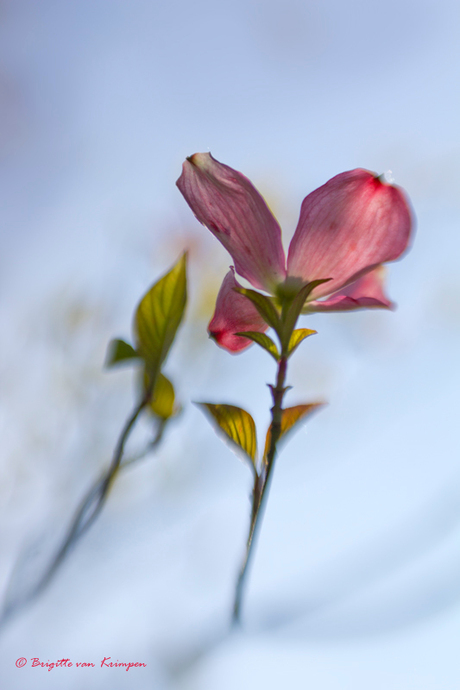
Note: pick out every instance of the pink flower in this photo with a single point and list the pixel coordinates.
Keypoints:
(347, 229)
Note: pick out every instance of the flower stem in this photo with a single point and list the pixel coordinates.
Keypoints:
(261, 482)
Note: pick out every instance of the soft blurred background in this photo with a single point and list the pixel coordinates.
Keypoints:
(356, 580)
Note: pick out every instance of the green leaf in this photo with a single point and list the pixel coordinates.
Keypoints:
(158, 317)
(264, 306)
(294, 310)
(119, 351)
(162, 400)
(235, 425)
(296, 338)
(291, 416)
(263, 340)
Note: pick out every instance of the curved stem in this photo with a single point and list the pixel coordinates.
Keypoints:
(84, 518)
(89, 508)
(261, 482)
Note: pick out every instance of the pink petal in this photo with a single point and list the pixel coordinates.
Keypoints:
(227, 203)
(365, 293)
(234, 313)
(346, 227)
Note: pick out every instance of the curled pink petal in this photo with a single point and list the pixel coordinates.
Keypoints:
(234, 313)
(227, 203)
(347, 227)
(366, 293)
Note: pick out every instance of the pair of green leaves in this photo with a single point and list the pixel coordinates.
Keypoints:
(156, 321)
(282, 323)
(267, 343)
(237, 427)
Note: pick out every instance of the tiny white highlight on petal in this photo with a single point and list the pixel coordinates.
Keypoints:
(388, 177)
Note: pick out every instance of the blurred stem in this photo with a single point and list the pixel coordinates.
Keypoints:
(92, 503)
(261, 482)
(82, 520)
(149, 447)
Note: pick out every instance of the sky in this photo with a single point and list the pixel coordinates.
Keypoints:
(355, 579)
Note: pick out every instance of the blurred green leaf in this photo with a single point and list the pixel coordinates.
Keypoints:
(291, 416)
(263, 340)
(158, 317)
(296, 338)
(162, 400)
(264, 306)
(119, 351)
(237, 426)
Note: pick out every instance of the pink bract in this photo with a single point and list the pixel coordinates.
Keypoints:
(365, 293)
(231, 207)
(347, 229)
(233, 313)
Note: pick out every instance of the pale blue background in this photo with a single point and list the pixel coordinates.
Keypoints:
(356, 581)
